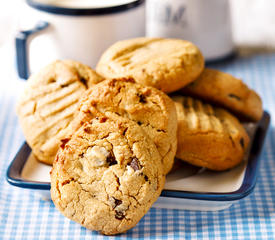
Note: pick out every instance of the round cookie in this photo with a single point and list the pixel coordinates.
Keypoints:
(150, 108)
(226, 91)
(107, 175)
(48, 103)
(209, 137)
(166, 64)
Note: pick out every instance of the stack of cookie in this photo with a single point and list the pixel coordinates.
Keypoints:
(115, 146)
(112, 149)
(209, 103)
(112, 168)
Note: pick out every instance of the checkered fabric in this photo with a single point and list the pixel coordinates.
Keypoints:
(24, 215)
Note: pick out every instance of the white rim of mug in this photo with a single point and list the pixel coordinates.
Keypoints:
(83, 11)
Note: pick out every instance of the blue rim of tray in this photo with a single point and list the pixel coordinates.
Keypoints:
(14, 172)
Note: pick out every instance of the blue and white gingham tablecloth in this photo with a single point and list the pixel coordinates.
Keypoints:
(24, 215)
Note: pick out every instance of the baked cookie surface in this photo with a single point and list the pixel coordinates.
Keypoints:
(107, 175)
(208, 136)
(48, 104)
(166, 64)
(86, 75)
(150, 108)
(226, 91)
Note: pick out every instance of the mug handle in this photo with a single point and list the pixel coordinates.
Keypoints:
(21, 46)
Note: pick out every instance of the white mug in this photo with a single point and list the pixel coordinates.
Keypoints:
(206, 23)
(75, 29)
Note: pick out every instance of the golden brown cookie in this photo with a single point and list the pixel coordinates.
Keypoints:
(48, 103)
(226, 91)
(107, 175)
(166, 64)
(208, 136)
(150, 108)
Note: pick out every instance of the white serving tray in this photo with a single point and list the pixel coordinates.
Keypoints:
(187, 187)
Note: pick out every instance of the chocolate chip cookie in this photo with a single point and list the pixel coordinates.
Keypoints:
(107, 175)
(150, 108)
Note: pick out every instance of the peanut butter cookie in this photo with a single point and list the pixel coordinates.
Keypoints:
(49, 102)
(226, 91)
(166, 64)
(208, 136)
(107, 175)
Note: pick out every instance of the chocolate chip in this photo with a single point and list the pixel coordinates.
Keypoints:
(234, 96)
(84, 81)
(111, 160)
(115, 202)
(63, 142)
(242, 142)
(87, 130)
(103, 119)
(146, 178)
(139, 123)
(142, 98)
(134, 164)
(119, 215)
